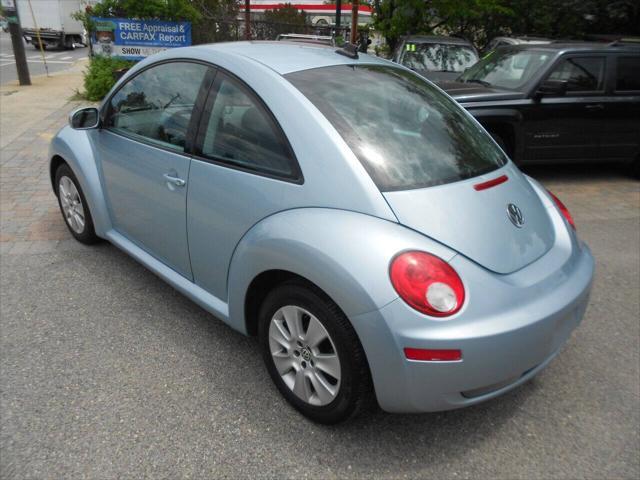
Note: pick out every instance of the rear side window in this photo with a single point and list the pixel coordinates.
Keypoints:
(156, 105)
(628, 74)
(582, 74)
(240, 132)
(406, 132)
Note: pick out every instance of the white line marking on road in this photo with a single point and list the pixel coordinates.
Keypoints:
(66, 58)
(5, 64)
(50, 61)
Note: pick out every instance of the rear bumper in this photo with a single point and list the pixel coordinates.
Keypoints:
(510, 329)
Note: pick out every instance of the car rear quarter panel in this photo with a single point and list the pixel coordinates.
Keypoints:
(344, 253)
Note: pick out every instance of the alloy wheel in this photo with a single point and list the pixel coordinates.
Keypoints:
(71, 204)
(304, 355)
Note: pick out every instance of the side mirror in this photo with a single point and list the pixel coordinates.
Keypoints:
(84, 118)
(552, 88)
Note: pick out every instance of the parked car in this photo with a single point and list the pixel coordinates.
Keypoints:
(561, 102)
(298, 37)
(375, 239)
(506, 41)
(436, 58)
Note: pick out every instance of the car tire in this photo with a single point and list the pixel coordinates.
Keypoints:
(73, 206)
(323, 397)
(634, 168)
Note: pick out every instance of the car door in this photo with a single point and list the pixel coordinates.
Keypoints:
(243, 170)
(568, 127)
(144, 161)
(621, 132)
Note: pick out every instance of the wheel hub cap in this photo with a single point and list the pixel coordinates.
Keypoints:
(304, 355)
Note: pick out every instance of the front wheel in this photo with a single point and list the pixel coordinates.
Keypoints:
(73, 206)
(313, 355)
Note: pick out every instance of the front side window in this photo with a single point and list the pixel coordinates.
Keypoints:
(508, 68)
(582, 74)
(628, 74)
(406, 132)
(437, 57)
(240, 132)
(156, 105)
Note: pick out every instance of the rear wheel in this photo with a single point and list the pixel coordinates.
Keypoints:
(69, 43)
(313, 355)
(73, 206)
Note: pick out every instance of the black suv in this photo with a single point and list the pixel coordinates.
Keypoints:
(560, 102)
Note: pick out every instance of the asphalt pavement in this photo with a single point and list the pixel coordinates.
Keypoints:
(107, 372)
(56, 59)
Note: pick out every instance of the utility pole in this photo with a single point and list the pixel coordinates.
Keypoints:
(18, 49)
(247, 19)
(338, 16)
(354, 21)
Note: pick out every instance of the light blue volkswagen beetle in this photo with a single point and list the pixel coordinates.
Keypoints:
(343, 209)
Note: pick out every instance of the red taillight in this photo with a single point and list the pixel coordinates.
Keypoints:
(429, 355)
(563, 209)
(427, 283)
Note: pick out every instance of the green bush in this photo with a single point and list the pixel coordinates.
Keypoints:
(99, 79)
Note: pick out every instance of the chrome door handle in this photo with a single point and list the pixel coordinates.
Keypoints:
(595, 106)
(177, 181)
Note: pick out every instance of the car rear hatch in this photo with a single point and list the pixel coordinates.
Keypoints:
(472, 217)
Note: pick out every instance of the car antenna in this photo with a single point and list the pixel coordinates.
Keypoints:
(348, 50)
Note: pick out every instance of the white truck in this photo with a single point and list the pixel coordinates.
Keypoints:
(53, 19)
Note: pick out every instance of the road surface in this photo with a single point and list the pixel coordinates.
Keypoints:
(57, 59)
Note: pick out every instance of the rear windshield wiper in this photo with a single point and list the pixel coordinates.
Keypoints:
(481, 82)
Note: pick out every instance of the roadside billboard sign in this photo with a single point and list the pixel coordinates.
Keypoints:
(137, 39)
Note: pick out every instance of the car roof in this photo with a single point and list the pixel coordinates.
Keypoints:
(525, 40)
(575, 46)
(282, 57)
(436, 39)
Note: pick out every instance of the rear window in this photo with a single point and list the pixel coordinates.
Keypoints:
(406, 132)
(438, 57)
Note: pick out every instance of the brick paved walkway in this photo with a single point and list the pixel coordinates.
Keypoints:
(30, 220)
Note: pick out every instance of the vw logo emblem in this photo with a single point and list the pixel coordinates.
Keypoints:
(515, 215)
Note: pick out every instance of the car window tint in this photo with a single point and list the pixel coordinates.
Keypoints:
(241, 132)
(506, 68)
(406, 132)
(582, 74)
(438, 57)
(628, 73)
(156, 105)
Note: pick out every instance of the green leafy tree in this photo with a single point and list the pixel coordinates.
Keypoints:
(171, 10)
(481, 20)
(218, 21)
(395, 18)
(284, 19)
